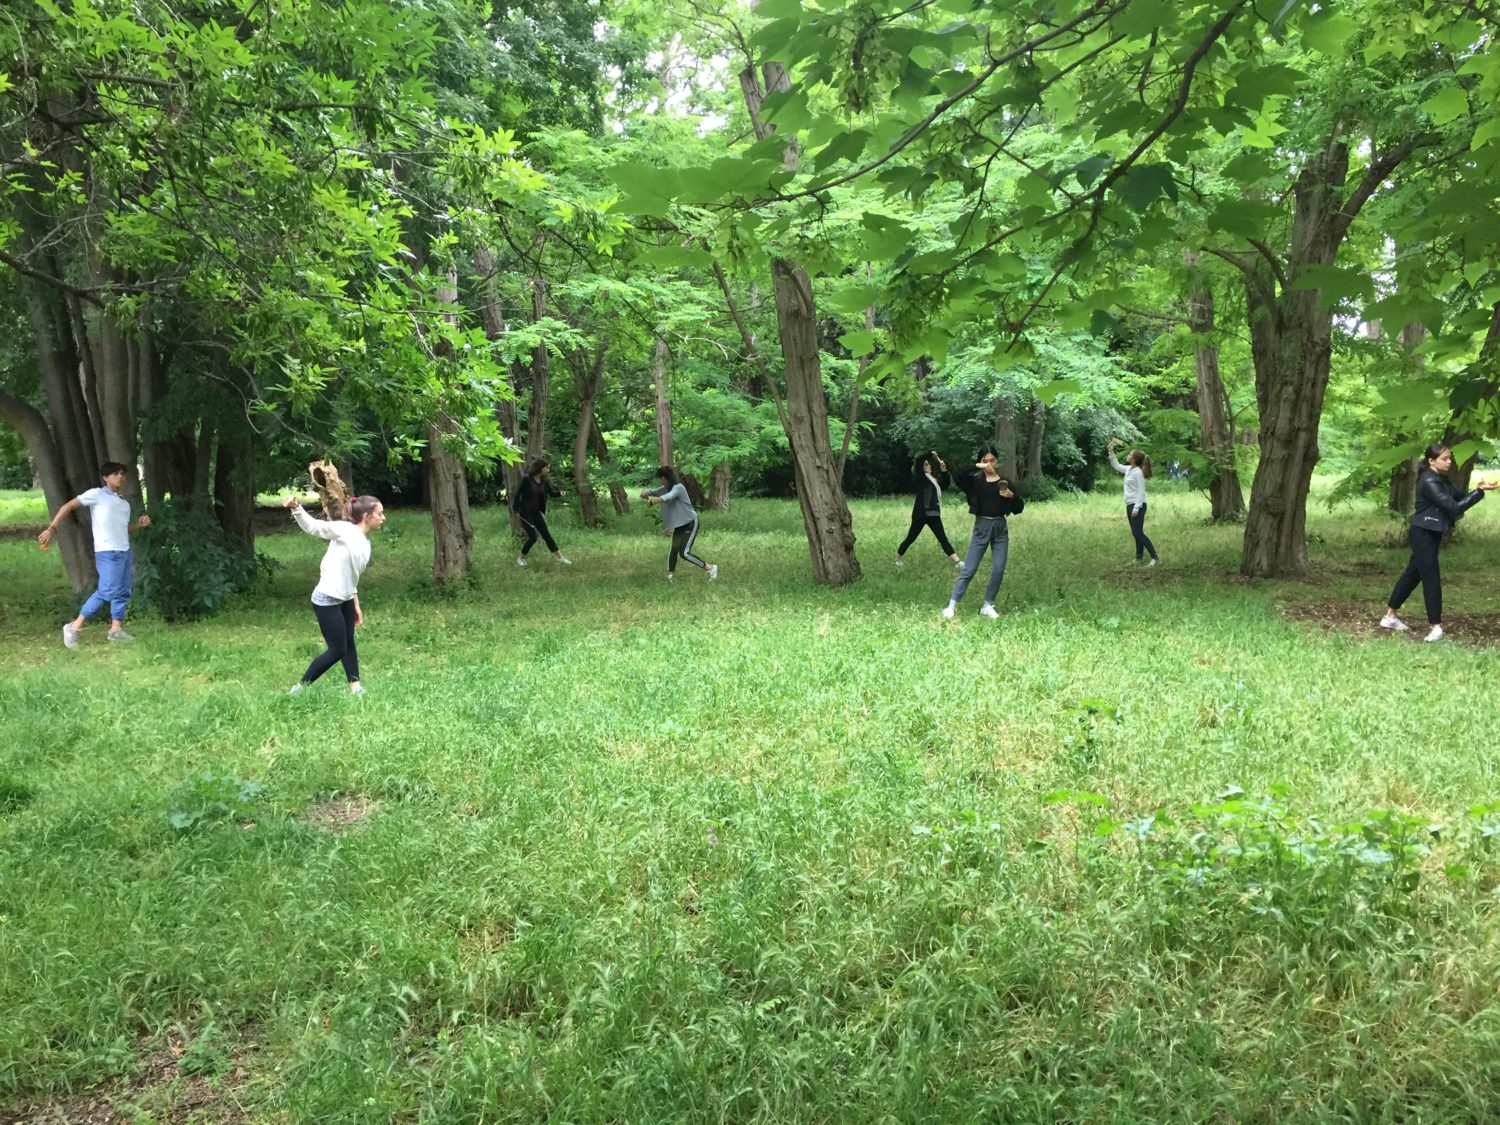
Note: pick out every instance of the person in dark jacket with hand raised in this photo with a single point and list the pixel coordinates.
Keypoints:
(991, 499)
(1439, 507)
(928, 475)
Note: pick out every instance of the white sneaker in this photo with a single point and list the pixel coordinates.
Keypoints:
(356, 689)
(1435, 635)
(958, 563)
(520, 560)
(713, 572)
(1393, 623)
(987, 610)
(671, 577)
(1153, 562)
(565, 560)
(119, 635)
(70, 637)
(948, 611)
(297, 688)
(900, 562)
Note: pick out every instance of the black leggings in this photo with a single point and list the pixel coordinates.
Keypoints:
(337, 623)
(536, 524)
(917, 524)
(682, 545)
(1138, 529)
(1422, 568)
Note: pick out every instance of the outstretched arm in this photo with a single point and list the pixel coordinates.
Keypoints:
(51, 529)
(323, 529)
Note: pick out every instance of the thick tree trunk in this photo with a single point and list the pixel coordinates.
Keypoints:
(662, 400)
(718, 486)
(74, 538)
(1036, 429)
(587, 376)
(1005, 439)
(1290, 338)
(617, 494)
(1226, 498)
(825, 512)
(447, 487)
(234, 486)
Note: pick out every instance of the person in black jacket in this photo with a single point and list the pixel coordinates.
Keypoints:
(531, 509)
(1439, 507)
(927, 508)
(991, 499)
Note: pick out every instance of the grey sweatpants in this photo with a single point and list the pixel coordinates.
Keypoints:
(989, 533)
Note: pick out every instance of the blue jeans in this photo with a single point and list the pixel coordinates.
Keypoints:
(989, 533)
(116, 576)
(1143, 544)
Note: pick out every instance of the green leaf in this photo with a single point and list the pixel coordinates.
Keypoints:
(1337, 283)
(845, 146)
(1144, 183)
(860, 342)
(674, 257)
(1049, 392)
(1142, 17)
(1447, 104)
(1328, 33)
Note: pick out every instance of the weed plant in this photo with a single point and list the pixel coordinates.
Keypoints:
(1144, 849)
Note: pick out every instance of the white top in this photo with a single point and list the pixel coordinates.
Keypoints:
(1135, 481)
(111, 515)
(345, 560)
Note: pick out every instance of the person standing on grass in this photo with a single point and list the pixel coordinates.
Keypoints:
(531, 509)
(335, 599)
(1136, 470)
(678, 517)
(110, 513)
(929, 476)
(991, 499)
(1439, 507)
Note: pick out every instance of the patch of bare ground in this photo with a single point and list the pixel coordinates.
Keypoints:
(168, 1085)
(338, 816)
(1482, 629)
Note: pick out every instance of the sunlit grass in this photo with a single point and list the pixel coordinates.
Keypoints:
(753, 849)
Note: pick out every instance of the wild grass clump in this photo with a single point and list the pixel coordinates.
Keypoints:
(1143, 849)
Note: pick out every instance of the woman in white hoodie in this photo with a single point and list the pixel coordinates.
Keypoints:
(1137, 469)
(335, 599)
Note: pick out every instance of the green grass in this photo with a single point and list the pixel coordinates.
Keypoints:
(755, 850)
(22, 507)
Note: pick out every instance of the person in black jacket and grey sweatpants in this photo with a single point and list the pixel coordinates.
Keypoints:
(1439, 507)
(928, 476)
(991, 499)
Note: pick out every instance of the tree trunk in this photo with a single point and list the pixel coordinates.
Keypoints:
(587, 376)
(74, 538)
(234, 486)
(447, 487)
(506, 413)
(541, 379)
(1036, 428)
(1005, 439)
(1290, 338)
(825, 512)
(1215, 438)
(617, 494)
(663, 405)
(718, 486)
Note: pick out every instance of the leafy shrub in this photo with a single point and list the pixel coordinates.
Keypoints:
(212, 798)
(186, 566)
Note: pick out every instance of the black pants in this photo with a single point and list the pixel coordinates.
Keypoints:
(1138, 529)
(1422, 568)
(337, 624)
(682, 545)
(536, 524)
(917, 524)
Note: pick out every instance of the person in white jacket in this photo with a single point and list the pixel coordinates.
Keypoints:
(1137, 469)
(335, 599)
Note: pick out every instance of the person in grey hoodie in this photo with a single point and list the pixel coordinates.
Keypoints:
(678, 517)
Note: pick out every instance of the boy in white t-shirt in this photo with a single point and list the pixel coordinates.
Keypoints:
(110, 513)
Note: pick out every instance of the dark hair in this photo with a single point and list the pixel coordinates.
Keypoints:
(984, 449)
(360, 507)
(668, 474)
(1434, 451)
(1141, 460)
(537, 466)
(110, 468)
(929, 457)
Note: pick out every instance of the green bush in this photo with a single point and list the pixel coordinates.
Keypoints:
(186, 566)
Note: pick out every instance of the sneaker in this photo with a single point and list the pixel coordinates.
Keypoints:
(900, 562)
(565, 560)
(520, 560)
(1435, 635)
(987, 610)
(70, 637)
(671, 577)
(1154, 562)
(958, 563)
(713, 572)
(356, 689)
(948, 611)
(119, 635)
(297, 688)
(1393, 623)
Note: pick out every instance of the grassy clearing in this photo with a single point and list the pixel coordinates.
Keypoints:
(601, 848)
(22, 508)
